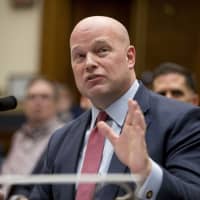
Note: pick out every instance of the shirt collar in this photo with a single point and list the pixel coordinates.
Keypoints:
(118, 109)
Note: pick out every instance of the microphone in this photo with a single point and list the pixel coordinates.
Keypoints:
(8, 103)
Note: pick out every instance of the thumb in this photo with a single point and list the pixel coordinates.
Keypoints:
(105, 130)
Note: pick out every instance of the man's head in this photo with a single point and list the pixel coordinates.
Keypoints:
(40, 101)
(102, 59)
(174, 81)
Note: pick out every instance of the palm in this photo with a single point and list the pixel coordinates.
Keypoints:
(130, 145)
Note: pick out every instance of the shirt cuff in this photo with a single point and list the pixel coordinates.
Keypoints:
(17, 197)
(150, 188)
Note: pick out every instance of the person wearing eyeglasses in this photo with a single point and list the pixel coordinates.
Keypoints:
(29, 141)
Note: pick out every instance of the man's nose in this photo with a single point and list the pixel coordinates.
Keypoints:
(169, 94)
(90, 62)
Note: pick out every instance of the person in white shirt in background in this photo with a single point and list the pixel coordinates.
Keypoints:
(29, 141)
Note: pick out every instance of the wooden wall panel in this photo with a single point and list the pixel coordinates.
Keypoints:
(173, 33)
(119, 9)
(138, 32)
(166, 30)
(55, 60)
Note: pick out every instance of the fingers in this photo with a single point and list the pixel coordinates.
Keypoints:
(104, 129)
(135, 116)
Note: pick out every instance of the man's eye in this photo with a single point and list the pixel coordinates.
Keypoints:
(177, 93)
(78, 57)
(102, 51)
(174, 93)
(163, 93)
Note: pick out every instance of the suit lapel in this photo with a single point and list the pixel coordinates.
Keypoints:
(72, 147)
(69, 154)
(143, 99)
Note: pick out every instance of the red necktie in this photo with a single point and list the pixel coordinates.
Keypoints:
(92, 160)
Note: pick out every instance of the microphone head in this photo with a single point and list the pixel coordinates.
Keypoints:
(8, 103)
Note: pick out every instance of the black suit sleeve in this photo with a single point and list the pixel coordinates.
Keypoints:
(181, 170)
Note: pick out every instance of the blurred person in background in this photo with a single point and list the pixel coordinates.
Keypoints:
(29, 142)
(175, 81)
(66, 107)
(146, 78)
(65, 102)
(85, 103)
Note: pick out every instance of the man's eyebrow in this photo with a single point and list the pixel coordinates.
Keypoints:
(99, 42)
(75, 49)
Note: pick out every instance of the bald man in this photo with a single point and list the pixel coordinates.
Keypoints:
(146, 135)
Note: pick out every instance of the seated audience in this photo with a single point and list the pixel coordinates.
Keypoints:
(29, 142)
(146, 78)
(66, 108)
(175, 81)
(85, 103)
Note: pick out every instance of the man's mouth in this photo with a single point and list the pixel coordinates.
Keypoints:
(93, 77)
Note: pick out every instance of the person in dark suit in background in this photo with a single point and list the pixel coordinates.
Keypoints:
(85, 103)
(67, 108)
(147, 135)
(175, 81)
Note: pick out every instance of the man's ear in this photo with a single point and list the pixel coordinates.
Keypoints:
(131, 57)
(195, 99)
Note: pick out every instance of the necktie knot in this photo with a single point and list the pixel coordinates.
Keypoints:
(102, 116)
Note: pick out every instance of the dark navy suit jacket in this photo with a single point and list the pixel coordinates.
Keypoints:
(173, 142)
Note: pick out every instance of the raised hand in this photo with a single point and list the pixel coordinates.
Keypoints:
(130, 145)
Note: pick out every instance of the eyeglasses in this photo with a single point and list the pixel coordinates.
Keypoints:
(32, 97)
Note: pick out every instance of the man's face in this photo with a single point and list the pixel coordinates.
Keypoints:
(102, 62)
(40, 104)
(173, 85)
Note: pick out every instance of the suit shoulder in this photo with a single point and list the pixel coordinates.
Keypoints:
(60, 134)
(172, 113)
(171, 105)
(160, 105)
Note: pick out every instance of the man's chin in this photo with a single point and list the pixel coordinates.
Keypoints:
(97, 93)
